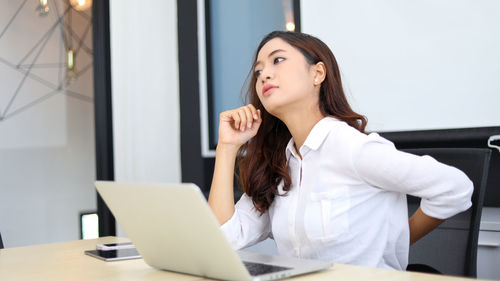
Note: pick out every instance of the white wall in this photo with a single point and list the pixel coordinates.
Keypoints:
(145, 86)
(413, 65)
(47, 154)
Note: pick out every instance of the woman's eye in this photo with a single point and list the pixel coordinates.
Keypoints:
(278, 59)
(257, 73)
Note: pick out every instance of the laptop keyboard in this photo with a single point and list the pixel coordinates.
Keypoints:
(256, 269)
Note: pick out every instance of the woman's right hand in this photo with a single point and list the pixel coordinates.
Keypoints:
(236, 127)
(239, 125)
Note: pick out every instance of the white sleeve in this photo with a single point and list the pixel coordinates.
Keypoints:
(445, 190)
(247, 226)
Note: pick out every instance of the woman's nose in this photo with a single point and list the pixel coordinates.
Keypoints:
(265, 75)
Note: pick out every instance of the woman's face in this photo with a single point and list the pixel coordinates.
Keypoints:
(285, 81)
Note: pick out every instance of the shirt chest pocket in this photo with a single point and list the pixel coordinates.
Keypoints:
(327, 215)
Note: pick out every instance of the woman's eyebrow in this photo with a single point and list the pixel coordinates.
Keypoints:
(270, 54)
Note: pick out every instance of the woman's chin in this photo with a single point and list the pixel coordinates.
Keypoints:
(274, 111)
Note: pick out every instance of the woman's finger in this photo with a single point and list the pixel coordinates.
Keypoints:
(254, 111)
(249, 117)
(226, 116)
(236, 118)
(243, 119)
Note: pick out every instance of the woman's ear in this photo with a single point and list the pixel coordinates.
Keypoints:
(319, 73)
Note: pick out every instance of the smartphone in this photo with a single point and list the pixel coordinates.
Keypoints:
(114, 255)
(115, 246)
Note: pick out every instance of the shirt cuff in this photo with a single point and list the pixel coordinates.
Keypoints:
(441, 212)
(231, 229)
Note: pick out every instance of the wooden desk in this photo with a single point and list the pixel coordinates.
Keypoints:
(66, 261)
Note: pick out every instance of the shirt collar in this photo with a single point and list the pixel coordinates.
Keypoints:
(315, 138)
(290, 149)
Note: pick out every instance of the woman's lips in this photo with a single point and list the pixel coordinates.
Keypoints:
(267, 89)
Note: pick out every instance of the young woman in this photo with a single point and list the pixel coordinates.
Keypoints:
(313, 180)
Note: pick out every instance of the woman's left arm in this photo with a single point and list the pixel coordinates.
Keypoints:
(445, 190)
(421, 224)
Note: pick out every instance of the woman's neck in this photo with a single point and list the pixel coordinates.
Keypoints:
(300, 123)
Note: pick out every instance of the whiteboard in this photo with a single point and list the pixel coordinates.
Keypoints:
(414, 65)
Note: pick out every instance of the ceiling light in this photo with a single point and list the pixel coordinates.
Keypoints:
(81, 5)
(43, 8)
(70, 64)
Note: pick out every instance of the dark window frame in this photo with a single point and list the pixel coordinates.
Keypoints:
(208, 50)
(103, 110)
(197, 168)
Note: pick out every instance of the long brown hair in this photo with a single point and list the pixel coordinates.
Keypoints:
(262, 160)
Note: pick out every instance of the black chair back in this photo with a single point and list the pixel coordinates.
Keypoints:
(452, 247)
(1, 242)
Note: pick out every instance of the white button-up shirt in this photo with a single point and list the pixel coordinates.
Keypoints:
(347, 203)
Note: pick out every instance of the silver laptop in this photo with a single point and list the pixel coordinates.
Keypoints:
(174, 229)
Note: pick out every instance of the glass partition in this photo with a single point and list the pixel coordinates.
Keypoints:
(231, 31)
(47, 155)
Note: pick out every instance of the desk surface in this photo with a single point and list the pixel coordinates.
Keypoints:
(66, 261)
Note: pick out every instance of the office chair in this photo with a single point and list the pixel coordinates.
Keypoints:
(1, 242)
(452, 247)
